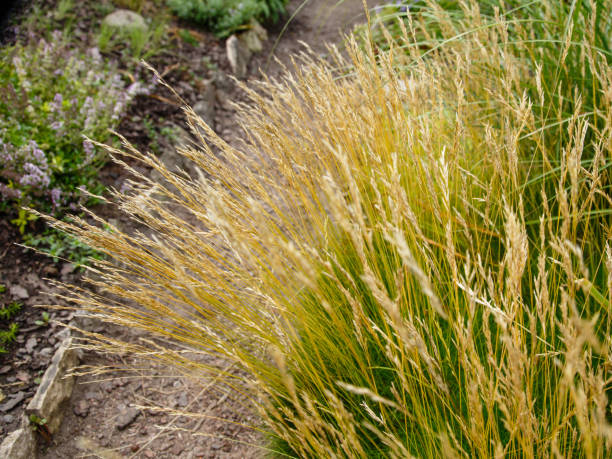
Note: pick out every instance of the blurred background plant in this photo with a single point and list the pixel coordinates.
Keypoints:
(134, 5)
(136, 43)
(224, 17)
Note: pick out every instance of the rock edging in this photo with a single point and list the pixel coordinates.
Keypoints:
(240, 48)
(55, 389)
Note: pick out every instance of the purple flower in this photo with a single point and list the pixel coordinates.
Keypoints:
(9, 193)
(56, 195)
(38, 154)
(133, 89)
(88, 147)
(34, 177)
(86, 105)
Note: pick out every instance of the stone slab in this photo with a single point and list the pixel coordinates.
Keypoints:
(19, 444)
(55, 387)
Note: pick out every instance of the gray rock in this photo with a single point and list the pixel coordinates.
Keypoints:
(222, 81)
(62, 334)
(217, 444)
(8, 418)
(19, 444)
(12, 402)
(238, 55)
(55, 387)
(182, 400)
(31, 344)
(125, 20)
(45, 352)
(67, 268)
(81, 408)
(17, 291)
(84, 321)
(126, 417)
(254, 37)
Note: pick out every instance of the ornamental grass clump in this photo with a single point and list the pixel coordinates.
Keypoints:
(408, 258)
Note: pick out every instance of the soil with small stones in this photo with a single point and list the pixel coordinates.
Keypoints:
(25, 277)
(113, 415)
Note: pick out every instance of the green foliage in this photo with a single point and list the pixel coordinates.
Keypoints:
(187, 37)
(44, 321)
(37, 421)
(59, 245)
(23, 218)
(224, 17)
(8, 336)
(134, 5)
(64, 8)
(39, 425)
(136, 43)
(9, 311)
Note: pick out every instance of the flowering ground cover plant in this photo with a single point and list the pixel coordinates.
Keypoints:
(51, 96)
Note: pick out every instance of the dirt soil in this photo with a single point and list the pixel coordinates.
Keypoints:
(106, 416)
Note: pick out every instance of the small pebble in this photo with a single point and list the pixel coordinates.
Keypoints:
(126, 417)
(81, 408)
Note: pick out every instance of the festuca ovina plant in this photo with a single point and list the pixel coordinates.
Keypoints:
(408, 258)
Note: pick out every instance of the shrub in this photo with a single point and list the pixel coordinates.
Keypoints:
(224, 17)
(51, 96)
(410, 259)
